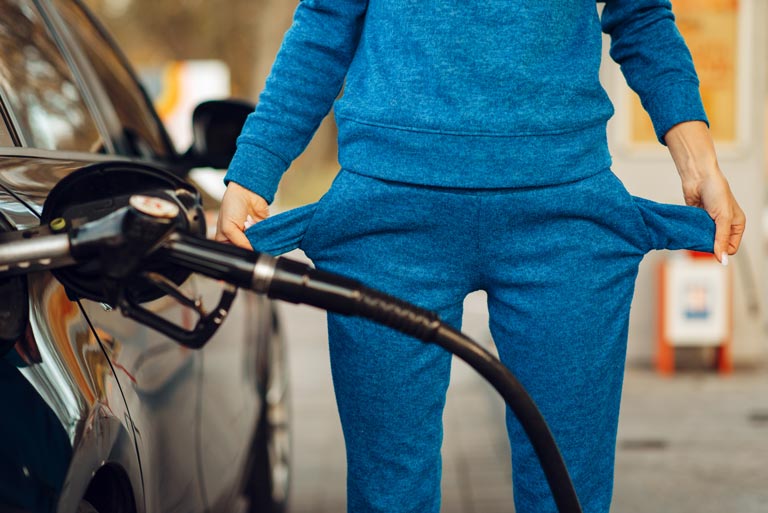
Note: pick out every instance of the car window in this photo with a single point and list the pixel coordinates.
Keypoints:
(5, 134)
(40, 90)
(140, 126)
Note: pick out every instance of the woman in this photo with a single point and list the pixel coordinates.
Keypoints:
(472, 141)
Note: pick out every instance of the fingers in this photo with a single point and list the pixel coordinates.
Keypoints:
(229, 231)
(713, 194)
(729, 230)
(238, 207)
(738, 225)
(722, 237)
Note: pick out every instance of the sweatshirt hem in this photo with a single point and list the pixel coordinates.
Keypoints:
(464, 133)
(474, 161)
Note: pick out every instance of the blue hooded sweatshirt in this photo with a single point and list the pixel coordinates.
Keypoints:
(462, 93)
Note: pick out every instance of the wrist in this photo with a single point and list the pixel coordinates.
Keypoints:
(693, 151)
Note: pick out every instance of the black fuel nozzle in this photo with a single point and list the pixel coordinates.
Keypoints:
(115, 244)
(120, 241)
(127, 249)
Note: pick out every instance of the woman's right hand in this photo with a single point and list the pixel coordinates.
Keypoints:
(237, 205)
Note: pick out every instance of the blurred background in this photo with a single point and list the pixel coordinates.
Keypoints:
(694, 425)
(191, 50)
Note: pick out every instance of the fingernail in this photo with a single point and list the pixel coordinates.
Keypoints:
(724, 258)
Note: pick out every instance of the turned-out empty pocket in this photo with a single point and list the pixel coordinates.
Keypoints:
(676, 226)
(283, 232)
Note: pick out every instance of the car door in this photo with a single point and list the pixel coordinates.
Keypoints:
(65, 422)
(228, 400)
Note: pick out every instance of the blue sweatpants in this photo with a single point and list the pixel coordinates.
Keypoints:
(558, 264)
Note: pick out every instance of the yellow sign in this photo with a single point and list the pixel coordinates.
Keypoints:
(710, 28)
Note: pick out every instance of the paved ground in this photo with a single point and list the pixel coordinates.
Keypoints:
(692, 443)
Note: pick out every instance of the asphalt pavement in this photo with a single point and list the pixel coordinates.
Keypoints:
(694, 442)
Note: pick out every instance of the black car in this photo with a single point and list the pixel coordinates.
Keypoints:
(100, 412)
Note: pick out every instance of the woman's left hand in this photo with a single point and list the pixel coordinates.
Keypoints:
(705, 185)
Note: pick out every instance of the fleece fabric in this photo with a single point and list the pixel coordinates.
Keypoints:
(558, 264)
(507, 91)
(473, 141)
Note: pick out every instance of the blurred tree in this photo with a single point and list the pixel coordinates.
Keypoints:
(154, 32)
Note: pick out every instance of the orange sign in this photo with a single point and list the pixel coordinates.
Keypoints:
(710, 28)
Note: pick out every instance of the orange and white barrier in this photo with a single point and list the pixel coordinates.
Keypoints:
(695, 309)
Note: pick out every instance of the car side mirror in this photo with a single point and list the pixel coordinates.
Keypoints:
(216, 125)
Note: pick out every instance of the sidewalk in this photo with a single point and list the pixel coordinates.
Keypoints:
(692, 443)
